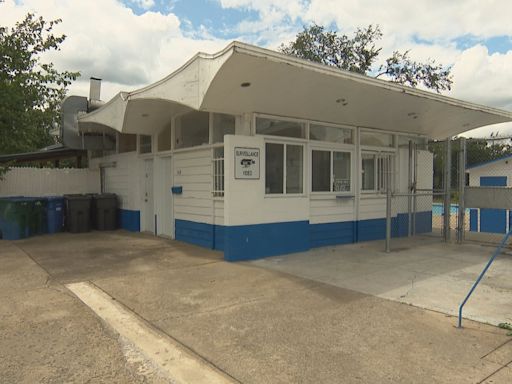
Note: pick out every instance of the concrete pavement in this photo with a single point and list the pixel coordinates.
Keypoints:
(424, 272)
(265, 326)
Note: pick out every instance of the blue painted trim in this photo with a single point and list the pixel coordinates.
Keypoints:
(400, 225)
(331, 233)
(195, 233)
(424, 222)
(246, 242)
(375, 229)
(473, 220)
(493, 220)
(493, 181)
(371, 229)
(129, 220)
(218, 237)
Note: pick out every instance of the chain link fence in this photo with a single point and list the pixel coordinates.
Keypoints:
(430, 199)
(489, 165)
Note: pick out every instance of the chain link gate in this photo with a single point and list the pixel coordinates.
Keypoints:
(421, 191)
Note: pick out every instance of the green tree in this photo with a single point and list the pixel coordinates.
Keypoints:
(359, 54)
(31, 90)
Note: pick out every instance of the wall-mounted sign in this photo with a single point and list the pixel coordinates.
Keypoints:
(247, 163)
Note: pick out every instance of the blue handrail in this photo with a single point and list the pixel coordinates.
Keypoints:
(496, 253)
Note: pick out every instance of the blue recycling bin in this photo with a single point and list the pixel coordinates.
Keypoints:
(55, 213)
(14, 218)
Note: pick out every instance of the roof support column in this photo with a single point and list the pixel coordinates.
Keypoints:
(447, 188)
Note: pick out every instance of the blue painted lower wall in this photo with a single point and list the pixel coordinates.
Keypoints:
(202, 234)
(246, 242)
(194, 233)
(129, 220)
(375, 229)
(332, 233)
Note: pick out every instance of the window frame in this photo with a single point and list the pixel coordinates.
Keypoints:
(343, 148)
(281, 118)
(314, 141)
(285, 143)
(378, 155)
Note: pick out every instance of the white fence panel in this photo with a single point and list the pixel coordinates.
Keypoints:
(49, 181)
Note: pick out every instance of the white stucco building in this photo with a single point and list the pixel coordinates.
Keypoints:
(268, 154)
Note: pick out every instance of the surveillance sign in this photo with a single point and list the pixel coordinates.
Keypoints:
(247, 163)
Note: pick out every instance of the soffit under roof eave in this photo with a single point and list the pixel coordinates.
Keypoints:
(185, 87)
(109, 115)
(293, 88)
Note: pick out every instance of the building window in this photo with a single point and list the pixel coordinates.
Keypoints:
(192, 129)
(126, 142)
(164, 139)
(331, 134)
(283, 128)
(376, 139)
(284, 168)
(144, 144)
(375, 168)
(222, 125)
(421, 142)
(330, 171)
(218, 172)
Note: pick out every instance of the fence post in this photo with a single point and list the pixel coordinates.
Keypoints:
(462, 184)
(409, 190)
(447, 189)
(388, 209)
(414, 189)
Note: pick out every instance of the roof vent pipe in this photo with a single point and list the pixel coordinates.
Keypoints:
(95, 89)
(94, 95)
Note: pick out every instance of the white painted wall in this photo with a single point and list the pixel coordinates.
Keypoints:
(329, 209)
(245, 201)
(193, 172)
(49, 181)
(122, 179)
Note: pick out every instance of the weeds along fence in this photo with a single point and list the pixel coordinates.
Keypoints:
(31, 181)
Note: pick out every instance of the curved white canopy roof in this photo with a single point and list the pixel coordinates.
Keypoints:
(287, 86)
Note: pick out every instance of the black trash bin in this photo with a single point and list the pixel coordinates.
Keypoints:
(78, 213)
(104, 211)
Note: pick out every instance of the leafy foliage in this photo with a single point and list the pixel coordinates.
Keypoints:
(31, 90)
(360, 53)
(481, 150)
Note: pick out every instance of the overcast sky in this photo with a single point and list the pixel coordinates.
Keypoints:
(131, 43)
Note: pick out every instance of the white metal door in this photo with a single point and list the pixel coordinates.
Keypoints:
(148, 214)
